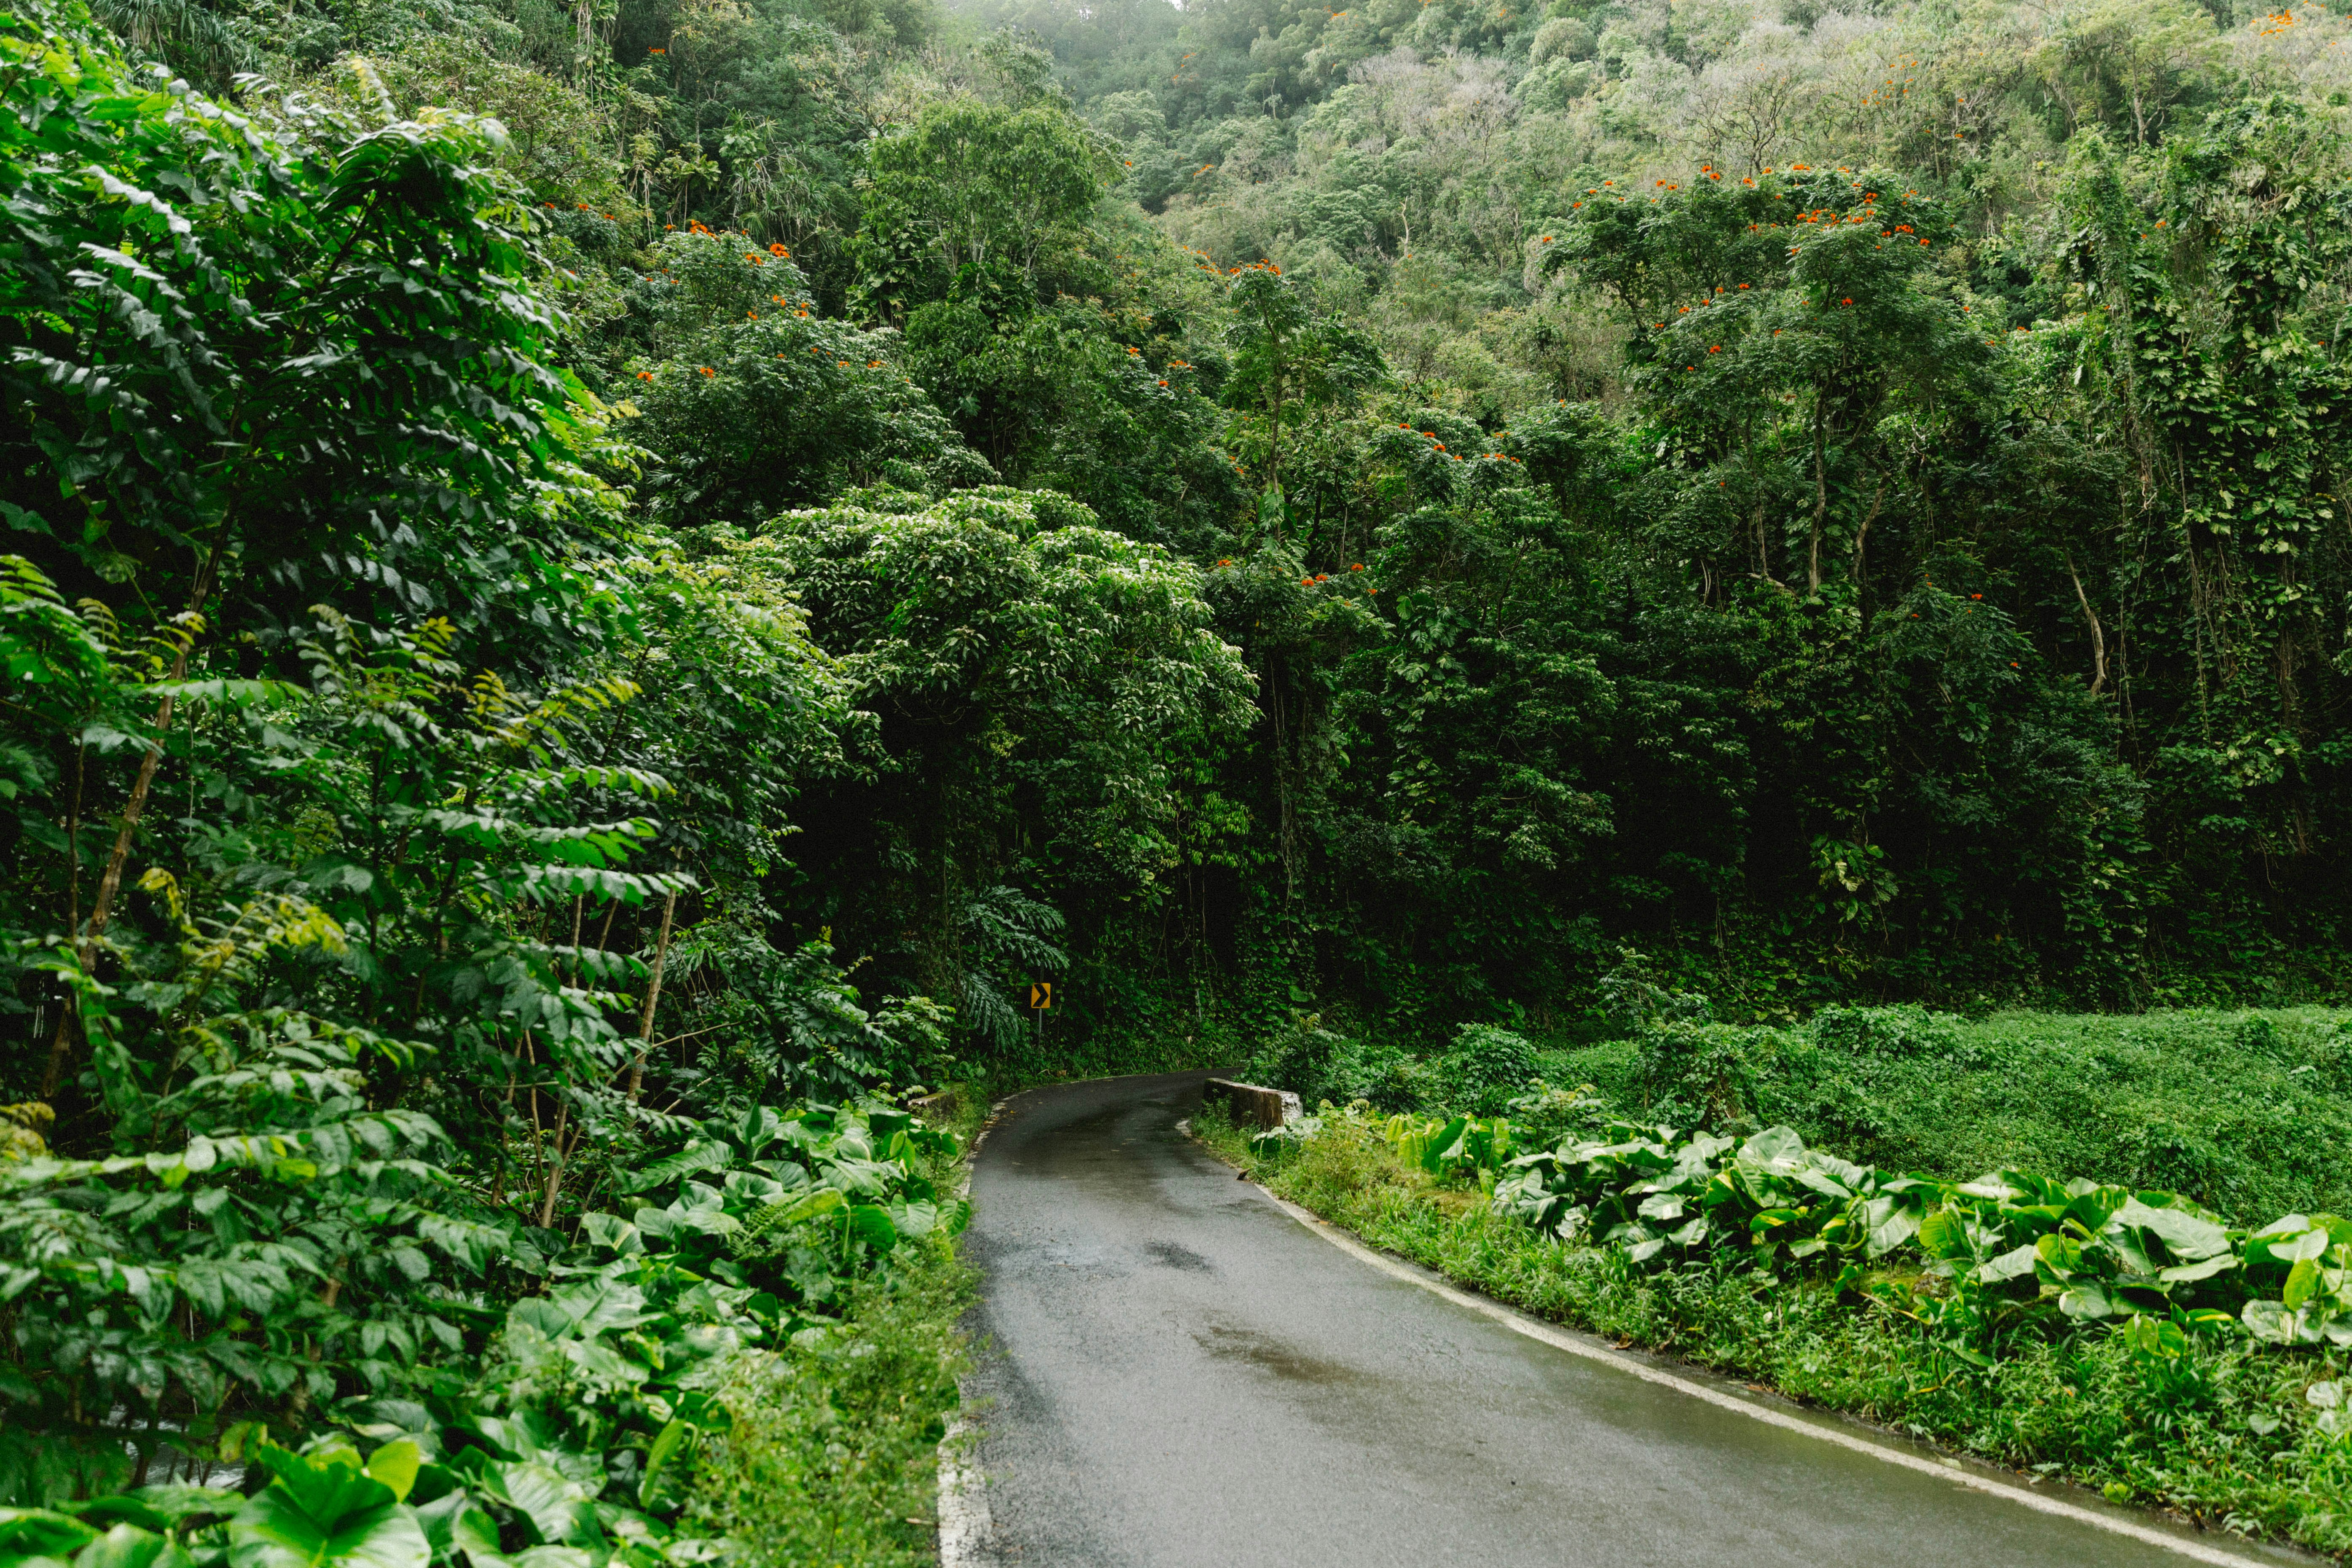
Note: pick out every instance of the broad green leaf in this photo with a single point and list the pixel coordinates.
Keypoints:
(917, 1218)
(40, 1532)
(1942, 1235)
(1776, 1150)
(2185, 1235)
(327, 1485)
(274, 1531)
(456, 1524)
(870, 1224)
(175, 1504)
(2086, 1299)
(395, 1465)
(552, 1557)
(555, 1504)
(1890, 1223)
(2299, 1249)
(128, 1546)
(666, 1446)
(2010, 1265)
(2269, 1320)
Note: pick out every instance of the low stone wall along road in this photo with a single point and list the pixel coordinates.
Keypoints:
(1178, 1372)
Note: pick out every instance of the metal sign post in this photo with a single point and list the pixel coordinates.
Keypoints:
(1041, 1001)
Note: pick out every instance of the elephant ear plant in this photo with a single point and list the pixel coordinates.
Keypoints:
(1983, 1264)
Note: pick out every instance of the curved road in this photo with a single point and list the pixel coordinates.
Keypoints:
(1176, 1371)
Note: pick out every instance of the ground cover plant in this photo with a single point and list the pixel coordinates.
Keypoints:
(2125, 1336)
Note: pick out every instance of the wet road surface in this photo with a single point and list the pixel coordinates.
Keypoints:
(1178, 1372)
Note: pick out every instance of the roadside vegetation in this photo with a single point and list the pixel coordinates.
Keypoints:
(592, 597)
(2082, 1322)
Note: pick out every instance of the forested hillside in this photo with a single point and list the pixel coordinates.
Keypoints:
(586, 587)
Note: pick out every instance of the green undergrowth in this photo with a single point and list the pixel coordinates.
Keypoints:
(833, 1454)
(2244, 1110)
(2238, 1436)
(2248, 1112)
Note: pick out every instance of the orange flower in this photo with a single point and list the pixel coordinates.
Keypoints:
(644, 376)
(777, 250)
(707, 371)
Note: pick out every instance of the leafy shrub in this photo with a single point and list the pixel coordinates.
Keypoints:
(1483, 1069)
(1899, 1031)
(1700, 1075)
(1316, 1064)
(1635, 992)
(1546, 1114)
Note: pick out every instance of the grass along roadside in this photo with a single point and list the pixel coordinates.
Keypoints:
(2242, 1438)
(832, 1455)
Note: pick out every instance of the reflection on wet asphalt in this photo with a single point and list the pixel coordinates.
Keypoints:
(1179, 1373)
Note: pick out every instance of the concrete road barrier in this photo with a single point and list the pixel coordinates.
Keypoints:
(1252, 1105)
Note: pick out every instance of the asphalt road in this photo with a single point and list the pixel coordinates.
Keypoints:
(1176, 1371)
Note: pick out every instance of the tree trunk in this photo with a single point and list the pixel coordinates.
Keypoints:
(102, 906)
(2098, 637)
(1821, 502)
(653, 997)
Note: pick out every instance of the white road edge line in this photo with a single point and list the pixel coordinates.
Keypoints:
(1536, 1330)
(966, 1526)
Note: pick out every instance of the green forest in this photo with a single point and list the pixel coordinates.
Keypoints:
(592, 594)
